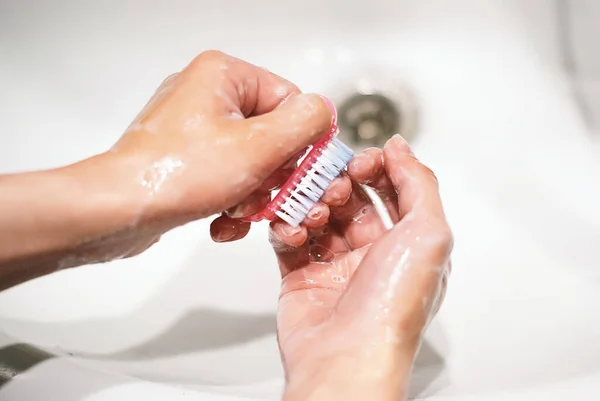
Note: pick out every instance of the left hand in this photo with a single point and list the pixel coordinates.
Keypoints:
(355, 297)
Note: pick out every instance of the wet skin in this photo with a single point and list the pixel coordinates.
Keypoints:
(216, 138)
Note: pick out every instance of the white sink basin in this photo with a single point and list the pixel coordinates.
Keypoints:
(517, 166)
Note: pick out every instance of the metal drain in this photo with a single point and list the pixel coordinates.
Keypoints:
(368, 120)
(369, 116)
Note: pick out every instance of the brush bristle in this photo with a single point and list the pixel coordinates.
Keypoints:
(329, 165)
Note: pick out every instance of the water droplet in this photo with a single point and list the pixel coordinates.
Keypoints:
(157, 173)
(390, 336)
(281, 91)
(359, 215)
(319, 253)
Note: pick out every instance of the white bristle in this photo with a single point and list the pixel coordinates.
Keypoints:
(336, 161)
(307, 203)
(287, 218)
(324, 171)
(297, 205)
(309, 190)
(290, 209)
(327, 167)
(322, 182)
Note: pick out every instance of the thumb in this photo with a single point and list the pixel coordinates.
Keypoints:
(277, 136)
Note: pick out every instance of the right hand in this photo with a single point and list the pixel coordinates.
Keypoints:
(213, 137)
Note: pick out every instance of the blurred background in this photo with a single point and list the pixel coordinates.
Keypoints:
(500, 97)
(323, 46)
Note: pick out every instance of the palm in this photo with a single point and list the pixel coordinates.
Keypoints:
(317, 273)
(341, 290)
(307, 304)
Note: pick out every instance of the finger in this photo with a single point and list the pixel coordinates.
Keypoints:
(272, 139)
(167, 82)
(324, 244)
(259, 199)
(403, 271)
(338, 191)
(290, 246)
(281, 175)
(330, 268)
(416, 184)
(400, 279)
(368, 168)
(276, 179)
(254, 203)
(235, 86)
(318, 216)
(226, 229)
(297, 247)
(289, 235)
(358, 219)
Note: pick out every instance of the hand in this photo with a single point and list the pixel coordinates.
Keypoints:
(356, 298)
(213, 136)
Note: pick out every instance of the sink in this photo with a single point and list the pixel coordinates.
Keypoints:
(186, 320)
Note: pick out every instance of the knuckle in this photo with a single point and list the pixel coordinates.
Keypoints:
(278, 245)
(212, 55)
(290, 88)
(208, 57)
(167, 81)
(412, 320)
(374, 152)
(318, 110)
(169, 78)
(428, 172)
(311, 113)
(441, 241)
(312, 104)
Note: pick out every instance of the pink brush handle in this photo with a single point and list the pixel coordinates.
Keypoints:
(268, 213)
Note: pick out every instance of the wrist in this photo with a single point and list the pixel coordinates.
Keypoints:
(59, 218)
(105, 197)
(58, 210)
(382, 377)
(156, 184)
(125, 191)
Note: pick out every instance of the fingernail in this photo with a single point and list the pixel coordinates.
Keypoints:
(225, 234)
(357, 160)
(400, 143)
(290, 231)
(315, 214)
(285, 99)
(236, 212)
(331, 108)
(360, 160)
